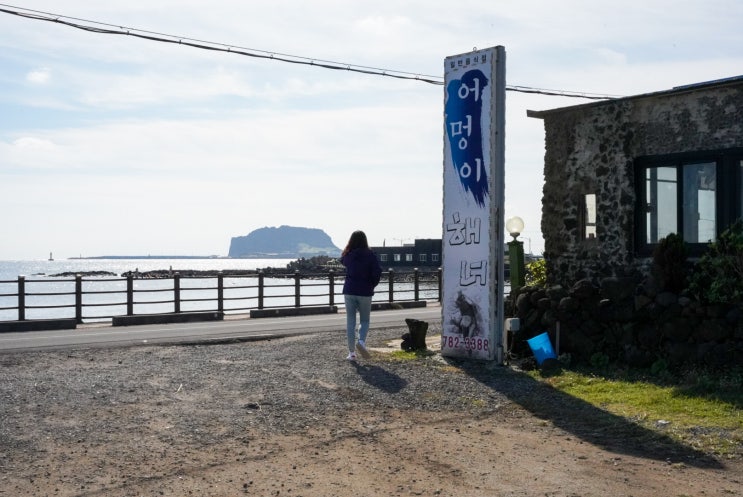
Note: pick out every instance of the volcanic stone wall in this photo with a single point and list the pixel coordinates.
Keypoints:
(630, 322)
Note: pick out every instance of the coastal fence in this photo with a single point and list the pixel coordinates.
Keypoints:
(101, 299)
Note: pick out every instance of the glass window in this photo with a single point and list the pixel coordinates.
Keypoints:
(434, 257)
(408, 257)
(397, 257)
(699, 203)
(422, 258)
(589, 216)
(696, 195)
(383, 257)
(661, 187)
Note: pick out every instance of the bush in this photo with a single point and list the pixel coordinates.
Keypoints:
(669, 261)
(599, 360)
(536, 273)
(659, 367)
(718, 275)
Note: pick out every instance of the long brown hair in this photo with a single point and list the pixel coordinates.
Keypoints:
(357, 240)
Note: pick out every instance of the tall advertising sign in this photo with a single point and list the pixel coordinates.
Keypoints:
(474, 163)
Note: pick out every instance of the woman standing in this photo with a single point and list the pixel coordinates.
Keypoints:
(362, 275)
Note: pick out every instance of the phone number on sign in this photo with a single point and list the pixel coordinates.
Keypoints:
(466, 343)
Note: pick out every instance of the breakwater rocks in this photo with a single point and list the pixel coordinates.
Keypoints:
(195, 273)
(399, 276)
(187, 273)
(72, 274)
(618, 319)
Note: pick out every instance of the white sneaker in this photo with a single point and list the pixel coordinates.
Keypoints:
(361, 349)
(351, 356)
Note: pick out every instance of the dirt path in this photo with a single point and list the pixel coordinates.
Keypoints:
(291, 417)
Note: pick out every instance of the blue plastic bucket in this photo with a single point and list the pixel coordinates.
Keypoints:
(542, 348)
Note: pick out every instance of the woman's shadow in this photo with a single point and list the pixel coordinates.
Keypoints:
(380, 378)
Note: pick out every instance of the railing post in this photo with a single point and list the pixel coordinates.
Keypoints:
(220, 291)
(296, 289)
(177, 292)
(129, 294)
(21, 298)
(79, 299)
(441, 282)
(416, 284)
(260, 289)
(331, 288)
(391, 284)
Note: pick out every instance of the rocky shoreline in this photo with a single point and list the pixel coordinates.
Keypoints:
(400, 275)
(187, 273)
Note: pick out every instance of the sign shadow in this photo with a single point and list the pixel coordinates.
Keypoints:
(583, 420)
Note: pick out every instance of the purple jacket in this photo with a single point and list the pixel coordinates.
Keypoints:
(362, 272)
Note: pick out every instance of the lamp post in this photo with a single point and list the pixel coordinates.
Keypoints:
(515, 226)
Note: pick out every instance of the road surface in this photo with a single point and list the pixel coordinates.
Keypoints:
(231, 329)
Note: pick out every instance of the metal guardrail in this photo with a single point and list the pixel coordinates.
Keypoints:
(95, 299)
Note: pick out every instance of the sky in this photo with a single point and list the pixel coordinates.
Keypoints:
(117, 145)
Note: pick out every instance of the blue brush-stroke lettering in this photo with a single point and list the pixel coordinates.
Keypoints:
(464, 98)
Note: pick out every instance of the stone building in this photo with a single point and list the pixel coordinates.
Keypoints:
(622, 174)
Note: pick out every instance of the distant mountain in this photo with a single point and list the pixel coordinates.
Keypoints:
(284, 242)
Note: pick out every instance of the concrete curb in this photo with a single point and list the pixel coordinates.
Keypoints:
(181, 317)
(38, 325)
(293, 311)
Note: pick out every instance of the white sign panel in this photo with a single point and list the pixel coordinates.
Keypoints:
(472, 241)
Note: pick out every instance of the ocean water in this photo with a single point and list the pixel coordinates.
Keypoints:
(52, 297)
(10, 270)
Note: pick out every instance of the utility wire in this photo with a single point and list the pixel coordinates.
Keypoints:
(207, 45)
(104, 28)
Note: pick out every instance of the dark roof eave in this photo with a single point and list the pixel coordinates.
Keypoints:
(735, 80)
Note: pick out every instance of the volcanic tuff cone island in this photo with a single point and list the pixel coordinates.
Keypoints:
(284, 242)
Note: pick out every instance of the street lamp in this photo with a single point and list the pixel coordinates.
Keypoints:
(515, 226)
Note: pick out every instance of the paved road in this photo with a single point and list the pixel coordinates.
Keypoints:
(203, 332)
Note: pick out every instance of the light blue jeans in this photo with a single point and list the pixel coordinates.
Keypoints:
(362, 305)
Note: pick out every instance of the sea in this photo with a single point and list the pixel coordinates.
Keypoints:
(49, 294)
(10, 270)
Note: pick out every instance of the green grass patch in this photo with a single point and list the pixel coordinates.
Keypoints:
(700, 409)
(402, 355)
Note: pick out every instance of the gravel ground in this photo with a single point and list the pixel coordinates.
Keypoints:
(292, 417)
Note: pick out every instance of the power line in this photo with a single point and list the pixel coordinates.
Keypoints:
(562, 93)
(214, 46)
(105, 28)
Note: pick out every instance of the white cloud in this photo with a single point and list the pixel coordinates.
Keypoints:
(39, 76)
(30, 142)
(379, 26)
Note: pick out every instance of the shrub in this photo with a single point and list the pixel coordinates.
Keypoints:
(536, 272)
(718, 275)
(669, 261)
(659, 367)
(599, 360)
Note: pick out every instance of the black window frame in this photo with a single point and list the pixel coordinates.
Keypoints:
(728, 204)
